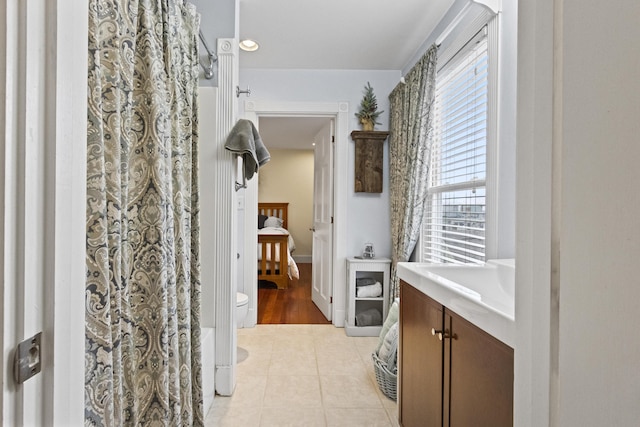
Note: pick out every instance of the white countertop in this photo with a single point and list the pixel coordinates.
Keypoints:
(482, 294)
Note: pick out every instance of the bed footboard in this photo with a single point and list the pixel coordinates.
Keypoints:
(273, 259)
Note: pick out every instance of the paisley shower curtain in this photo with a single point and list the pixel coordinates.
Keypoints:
(410, 139)
(143, 362)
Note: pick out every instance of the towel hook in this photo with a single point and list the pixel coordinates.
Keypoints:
(239, 91)
(238, 185)
(243, 185)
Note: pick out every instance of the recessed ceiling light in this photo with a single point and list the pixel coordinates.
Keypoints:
(249, 45)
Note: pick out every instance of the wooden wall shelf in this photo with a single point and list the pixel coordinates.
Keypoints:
(369, 159)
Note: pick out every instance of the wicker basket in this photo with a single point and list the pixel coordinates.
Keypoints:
(387, 381)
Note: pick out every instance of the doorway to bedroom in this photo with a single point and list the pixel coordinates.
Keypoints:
(292, 305)
(296, 175)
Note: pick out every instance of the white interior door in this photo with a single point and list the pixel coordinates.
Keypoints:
(322, 257)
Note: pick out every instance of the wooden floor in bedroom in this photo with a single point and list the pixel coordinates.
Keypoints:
(292, 305)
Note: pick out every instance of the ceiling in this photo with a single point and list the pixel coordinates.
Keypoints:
(337, 34)
(331, 34)
(290, 132)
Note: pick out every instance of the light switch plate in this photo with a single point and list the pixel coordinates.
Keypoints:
(26, 359)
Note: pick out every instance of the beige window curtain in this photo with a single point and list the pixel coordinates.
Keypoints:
(142, 363)
(410, 139)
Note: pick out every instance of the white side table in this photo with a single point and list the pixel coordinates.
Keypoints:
(379, 270)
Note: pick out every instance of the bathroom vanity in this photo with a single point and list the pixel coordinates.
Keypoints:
(456, 345)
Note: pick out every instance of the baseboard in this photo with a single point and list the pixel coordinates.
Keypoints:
(225, 380)
(303, 259)
(251, 319)
(338, 321)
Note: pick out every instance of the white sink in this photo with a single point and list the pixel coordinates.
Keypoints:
(482, 294)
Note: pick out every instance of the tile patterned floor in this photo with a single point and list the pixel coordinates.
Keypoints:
(303, 375)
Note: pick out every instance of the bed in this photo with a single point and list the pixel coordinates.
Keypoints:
(275, 244)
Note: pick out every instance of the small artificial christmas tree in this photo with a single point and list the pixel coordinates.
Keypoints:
(368, 113)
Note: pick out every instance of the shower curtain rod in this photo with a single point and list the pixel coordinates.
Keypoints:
(208, 69)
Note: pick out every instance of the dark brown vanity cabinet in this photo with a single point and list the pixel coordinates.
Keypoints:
(451, 372)
(420, 361)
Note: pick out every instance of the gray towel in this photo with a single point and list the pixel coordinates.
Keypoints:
(244, 140)
(365, 281)
(388, 352)
(370, 317)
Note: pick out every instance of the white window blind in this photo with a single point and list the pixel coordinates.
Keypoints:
(454, 223)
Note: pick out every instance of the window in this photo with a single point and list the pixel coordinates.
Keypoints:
(454, 223)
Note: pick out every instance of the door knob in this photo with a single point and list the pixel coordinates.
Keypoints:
(313, 229)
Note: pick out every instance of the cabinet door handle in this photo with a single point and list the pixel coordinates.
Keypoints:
(443, 334)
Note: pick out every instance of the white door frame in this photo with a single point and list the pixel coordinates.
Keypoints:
(255, 109)
(43, 81)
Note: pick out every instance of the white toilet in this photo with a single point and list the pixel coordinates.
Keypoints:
(242, 307)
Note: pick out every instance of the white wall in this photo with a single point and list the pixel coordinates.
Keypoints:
(208, 105)
(368, 214)
(578, 354)
(598, 225)
(506, 156)
(288, 177)
(533, 228)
